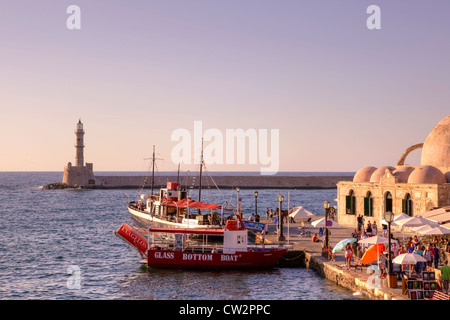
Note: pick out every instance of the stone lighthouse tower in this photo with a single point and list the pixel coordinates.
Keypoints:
(79, 145)
(80, 174)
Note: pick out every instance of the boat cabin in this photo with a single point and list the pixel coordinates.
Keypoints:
(229, 240)
(172, 204)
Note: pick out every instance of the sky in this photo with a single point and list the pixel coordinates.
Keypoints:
(342, 96)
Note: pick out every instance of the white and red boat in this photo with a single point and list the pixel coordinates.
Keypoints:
(172, 207)
(197, 248)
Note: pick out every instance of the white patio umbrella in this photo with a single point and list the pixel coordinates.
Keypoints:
(439, 230)
(408, 258)
(300, 212)
(376, 240)
(422, 229)
(416, 221)
(401, 216)
(321, 223)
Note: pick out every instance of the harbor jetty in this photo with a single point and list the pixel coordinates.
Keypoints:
(222, 181)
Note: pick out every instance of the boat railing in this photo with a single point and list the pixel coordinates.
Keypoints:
(195, 247)
(189, 247)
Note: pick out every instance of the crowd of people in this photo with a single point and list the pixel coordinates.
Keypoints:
(433, 250)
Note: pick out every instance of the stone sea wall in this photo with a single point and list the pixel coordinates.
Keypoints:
(278, 182)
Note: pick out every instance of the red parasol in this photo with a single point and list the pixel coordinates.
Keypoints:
(372, 253)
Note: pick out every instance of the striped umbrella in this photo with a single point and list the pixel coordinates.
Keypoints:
(341, 244)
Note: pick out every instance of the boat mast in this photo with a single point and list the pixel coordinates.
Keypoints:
(153, 168)
(200, 182)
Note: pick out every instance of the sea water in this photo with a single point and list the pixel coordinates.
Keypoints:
(59, 244)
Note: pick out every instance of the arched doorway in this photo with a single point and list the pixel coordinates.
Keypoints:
(407, 205)
(368, 205)
(350, 203)
(388, 202)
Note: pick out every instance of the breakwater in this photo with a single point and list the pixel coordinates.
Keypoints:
(221, 181)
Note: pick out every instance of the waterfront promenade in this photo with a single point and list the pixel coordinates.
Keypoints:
(310, 253)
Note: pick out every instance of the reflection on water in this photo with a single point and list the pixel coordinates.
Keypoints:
(273, 284)
(46, 232)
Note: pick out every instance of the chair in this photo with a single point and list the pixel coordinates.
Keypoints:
(356, 264)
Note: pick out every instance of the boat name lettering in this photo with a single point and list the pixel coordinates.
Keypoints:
(164, 255)
(133, 236)
(197, 256)
(229, 257)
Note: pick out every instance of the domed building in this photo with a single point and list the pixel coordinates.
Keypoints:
(400, 188)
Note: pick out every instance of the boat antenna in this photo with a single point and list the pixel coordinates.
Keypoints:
(200, 181)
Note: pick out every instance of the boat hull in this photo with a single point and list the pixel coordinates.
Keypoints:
(149, 220)
(214, 260)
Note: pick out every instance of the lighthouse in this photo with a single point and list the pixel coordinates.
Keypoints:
(79, 145)
(80, 174)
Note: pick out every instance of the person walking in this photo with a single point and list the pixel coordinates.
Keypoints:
(428, 255)
(436, 255)
(359, 223)
(418, 267)
(385, 230)
(445, 271)
(369, 229)
(348, 254)
(374, 228)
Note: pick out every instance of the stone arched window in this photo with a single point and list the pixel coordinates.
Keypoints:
(407, 205)
(388, 202)
(368, 205)
(350, 203)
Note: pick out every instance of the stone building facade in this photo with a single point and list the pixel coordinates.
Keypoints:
(400, 188)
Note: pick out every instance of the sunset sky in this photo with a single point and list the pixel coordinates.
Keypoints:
(342, 96)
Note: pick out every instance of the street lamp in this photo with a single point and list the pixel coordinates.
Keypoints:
(326, 206)
(238, 204)
(389, 217)
(256, 203)
(280, 218)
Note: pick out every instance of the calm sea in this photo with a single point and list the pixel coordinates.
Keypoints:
(58, 244)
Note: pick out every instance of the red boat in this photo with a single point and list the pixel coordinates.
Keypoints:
(205, 248)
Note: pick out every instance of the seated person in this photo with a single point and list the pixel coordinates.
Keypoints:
(314, 238)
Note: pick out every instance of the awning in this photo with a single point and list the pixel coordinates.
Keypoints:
(202, 231)
(184, 203)
(441, 215)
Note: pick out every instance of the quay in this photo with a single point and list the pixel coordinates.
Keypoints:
(308, 254)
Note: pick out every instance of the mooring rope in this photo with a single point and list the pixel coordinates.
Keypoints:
(302, 253)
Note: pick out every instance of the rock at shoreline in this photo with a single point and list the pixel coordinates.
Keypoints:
(60, 185)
